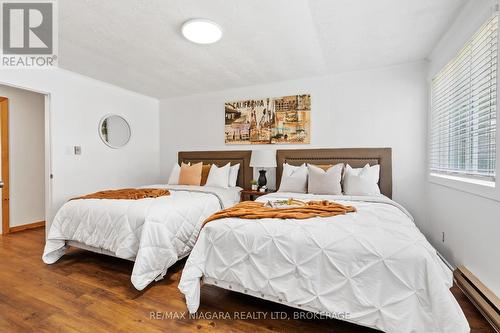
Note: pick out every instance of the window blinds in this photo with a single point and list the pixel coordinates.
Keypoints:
(463, 116)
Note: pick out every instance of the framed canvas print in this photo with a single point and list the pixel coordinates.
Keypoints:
(274, 120)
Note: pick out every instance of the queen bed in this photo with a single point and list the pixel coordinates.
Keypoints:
(152, 232)
(372, 267)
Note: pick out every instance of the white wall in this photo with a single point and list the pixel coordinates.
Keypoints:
(77, 104)
(27, 158)
(471, 223)
(376, 108)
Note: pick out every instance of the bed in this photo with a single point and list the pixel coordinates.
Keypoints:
(153, 232)
(373, 267)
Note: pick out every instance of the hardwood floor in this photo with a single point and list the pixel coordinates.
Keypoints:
(86, 292)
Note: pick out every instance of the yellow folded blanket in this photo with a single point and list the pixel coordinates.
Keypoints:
(127, 194)
(257, 210)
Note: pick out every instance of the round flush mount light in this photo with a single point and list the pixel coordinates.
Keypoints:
(201, 31)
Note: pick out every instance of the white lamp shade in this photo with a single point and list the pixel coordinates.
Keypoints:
(263, 158)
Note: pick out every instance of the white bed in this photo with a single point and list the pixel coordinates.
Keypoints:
(154, 233)
(373, 265)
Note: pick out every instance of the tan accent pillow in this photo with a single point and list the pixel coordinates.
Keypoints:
(325, 167)
(190, 174)
(205, 170)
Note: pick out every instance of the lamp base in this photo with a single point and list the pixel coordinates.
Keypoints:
(262, 178)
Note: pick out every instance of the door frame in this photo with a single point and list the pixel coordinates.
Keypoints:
(4, 120)
(48, 157)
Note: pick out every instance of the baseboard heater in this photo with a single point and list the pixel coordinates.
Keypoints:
(484, 299)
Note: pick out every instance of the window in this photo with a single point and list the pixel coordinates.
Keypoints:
(463, 114)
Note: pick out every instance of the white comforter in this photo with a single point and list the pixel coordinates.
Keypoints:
(373, 265)
(156, 232)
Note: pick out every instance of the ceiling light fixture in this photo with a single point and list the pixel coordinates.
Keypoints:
(201, 31)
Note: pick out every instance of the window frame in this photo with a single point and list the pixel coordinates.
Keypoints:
(483, 188)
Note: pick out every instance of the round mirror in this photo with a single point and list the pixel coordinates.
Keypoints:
(114, 131)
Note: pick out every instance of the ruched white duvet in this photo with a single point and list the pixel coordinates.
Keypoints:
(374, 265)
(153, 232)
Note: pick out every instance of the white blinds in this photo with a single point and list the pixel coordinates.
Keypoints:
(463, 117)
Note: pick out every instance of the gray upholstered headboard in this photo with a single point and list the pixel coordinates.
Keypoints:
(355, 157)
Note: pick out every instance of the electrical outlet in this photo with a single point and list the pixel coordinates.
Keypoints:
(78, 150)
(442, 236)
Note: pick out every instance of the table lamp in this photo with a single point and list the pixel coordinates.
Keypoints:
(263, 159)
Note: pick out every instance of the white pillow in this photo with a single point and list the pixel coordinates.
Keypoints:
(362, 181)
(233, 175)
(325, 182)
(174, 175)
(218, 177)
(294, 179)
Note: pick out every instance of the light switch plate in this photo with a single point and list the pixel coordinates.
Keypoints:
(78, 150)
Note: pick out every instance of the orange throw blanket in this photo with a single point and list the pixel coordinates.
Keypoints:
(256, 210)
(127, 194)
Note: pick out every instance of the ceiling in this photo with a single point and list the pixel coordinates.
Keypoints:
(136, 44)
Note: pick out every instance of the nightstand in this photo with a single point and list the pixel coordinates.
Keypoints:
(251, 195)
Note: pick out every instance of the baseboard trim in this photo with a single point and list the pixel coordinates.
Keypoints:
(483, 298)
(27, 226)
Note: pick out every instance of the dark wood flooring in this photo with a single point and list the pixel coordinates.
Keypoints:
(86, 292)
